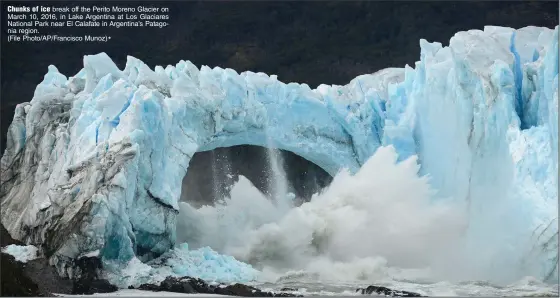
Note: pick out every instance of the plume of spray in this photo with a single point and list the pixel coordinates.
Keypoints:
(278, 185)
(384, 222)
(383, 210)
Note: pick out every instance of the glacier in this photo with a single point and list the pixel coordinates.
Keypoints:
(94, 162)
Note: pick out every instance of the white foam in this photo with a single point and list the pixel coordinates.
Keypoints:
(21, 253)
(137, 293)
(360, 228)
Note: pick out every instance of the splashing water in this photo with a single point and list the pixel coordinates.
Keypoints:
(381, 225)
(278, 185)
(214, 170)
(383, 210)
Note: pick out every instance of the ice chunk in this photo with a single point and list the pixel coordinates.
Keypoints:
(203, 263)
(21, 253)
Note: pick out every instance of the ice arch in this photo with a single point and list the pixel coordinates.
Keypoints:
(113, 146)
(94, 162)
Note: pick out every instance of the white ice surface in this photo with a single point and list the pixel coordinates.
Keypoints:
(140, 293)
(109, 148)
(21, 253)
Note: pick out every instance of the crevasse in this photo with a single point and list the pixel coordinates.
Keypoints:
(94, 162)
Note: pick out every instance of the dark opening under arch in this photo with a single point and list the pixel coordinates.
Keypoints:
(211, 173)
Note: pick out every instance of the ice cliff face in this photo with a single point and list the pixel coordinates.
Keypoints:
(94, 162)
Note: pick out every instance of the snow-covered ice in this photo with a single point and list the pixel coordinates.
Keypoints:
(140, 293)
(94, 162)
(202, 263)
(21, 253)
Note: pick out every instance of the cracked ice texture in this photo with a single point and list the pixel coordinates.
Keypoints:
(95, 161)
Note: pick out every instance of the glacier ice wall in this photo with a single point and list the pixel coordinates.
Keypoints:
(482, 116)
(94, 162)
